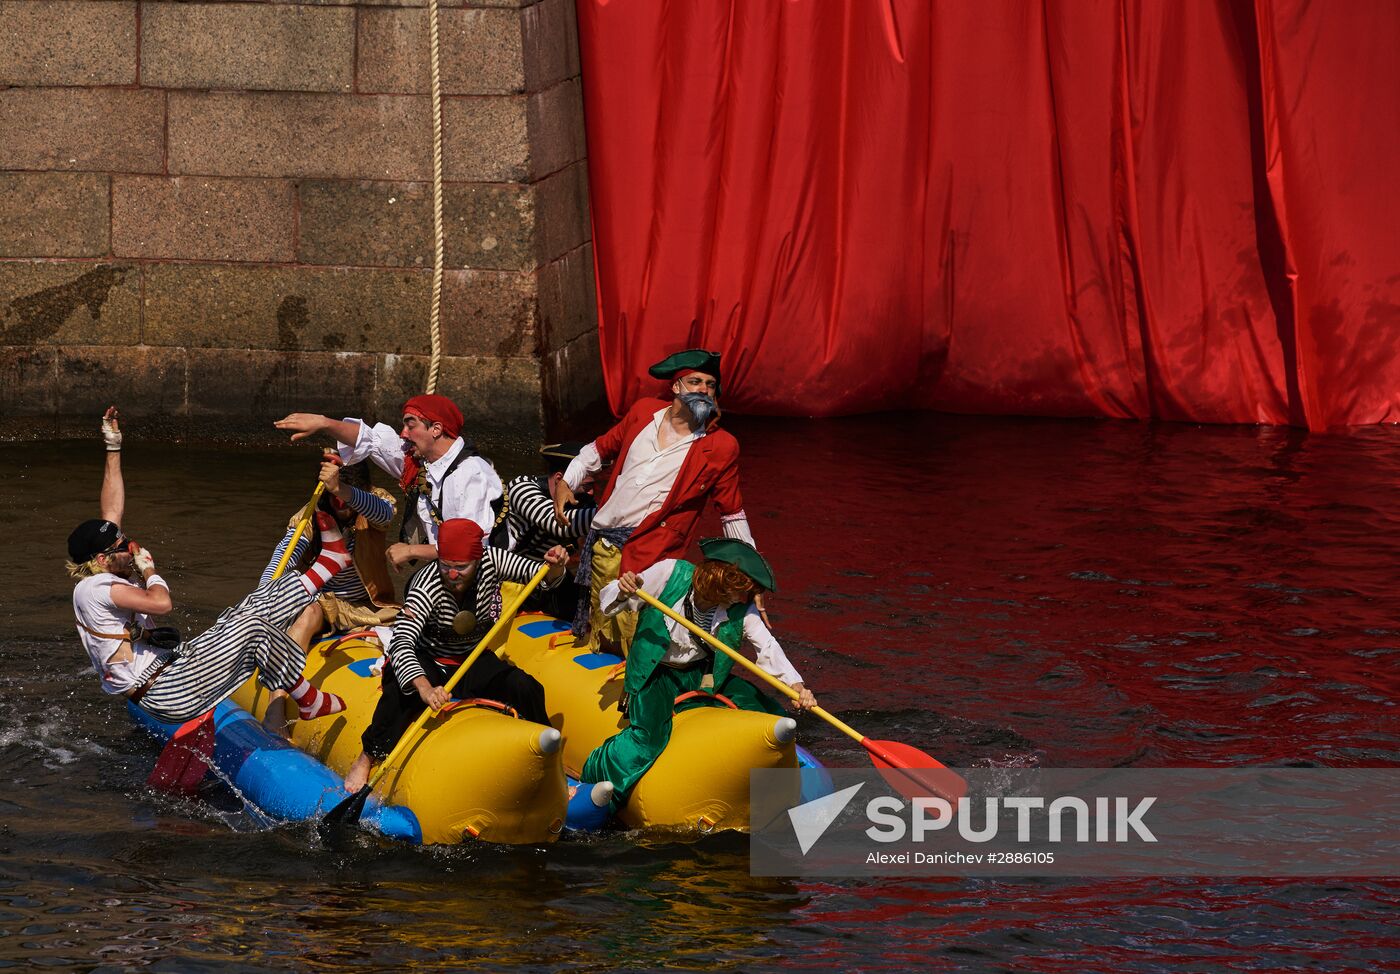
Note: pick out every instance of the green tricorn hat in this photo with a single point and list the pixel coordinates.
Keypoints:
(742, 556)
(692, 358)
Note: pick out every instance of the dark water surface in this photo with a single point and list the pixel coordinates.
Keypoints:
(994, 591)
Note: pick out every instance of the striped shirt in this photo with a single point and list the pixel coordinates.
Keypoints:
(530, 518)
(347, 583)
(429, 608)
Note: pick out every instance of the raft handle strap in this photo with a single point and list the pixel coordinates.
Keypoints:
(709, 697)
(484, 703)
(333, 645)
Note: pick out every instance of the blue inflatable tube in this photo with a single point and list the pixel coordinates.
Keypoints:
(281, 781)
(816, 780)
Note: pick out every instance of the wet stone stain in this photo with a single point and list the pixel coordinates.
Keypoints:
(35, 317)
(292, 320)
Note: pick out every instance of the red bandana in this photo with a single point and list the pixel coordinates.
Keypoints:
(432, 409)
(459, 539)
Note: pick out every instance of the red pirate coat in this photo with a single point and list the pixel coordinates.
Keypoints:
(710, 469)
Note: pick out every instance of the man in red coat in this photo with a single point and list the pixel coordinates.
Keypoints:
(670, 458)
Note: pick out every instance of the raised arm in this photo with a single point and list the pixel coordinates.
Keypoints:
(375, 509)
(112, 500)
(302, 425)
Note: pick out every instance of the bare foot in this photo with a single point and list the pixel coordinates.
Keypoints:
(275, 720)
(359, 773)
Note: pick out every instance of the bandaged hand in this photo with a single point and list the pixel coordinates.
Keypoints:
(145, 564)
(111, 430)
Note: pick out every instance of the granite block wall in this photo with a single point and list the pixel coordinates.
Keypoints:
(219, 212)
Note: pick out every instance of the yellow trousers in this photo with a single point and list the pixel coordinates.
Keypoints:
(607, 633)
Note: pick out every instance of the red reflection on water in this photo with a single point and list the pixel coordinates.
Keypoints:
(1084, 593)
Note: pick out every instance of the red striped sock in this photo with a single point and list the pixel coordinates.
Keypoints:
(334, 554)
(313, 703)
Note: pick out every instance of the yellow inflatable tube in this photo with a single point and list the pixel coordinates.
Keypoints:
(701, 780)
(475, 773)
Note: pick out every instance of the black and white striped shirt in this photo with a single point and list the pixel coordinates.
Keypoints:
(530, 518)
(346, 584)
(429, 608)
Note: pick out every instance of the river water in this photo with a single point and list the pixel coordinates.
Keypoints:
(994, 591)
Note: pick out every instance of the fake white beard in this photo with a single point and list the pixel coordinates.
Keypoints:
(702, 408)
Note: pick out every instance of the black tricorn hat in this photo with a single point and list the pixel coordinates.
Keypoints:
(561, 451)
(743, 556)
(92, 538)
(692, 358)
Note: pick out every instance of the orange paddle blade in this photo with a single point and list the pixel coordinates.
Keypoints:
(913, 773)
(186, 758)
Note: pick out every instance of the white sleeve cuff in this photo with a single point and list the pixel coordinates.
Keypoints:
(611, 600)
(580, 466)
(736, 526)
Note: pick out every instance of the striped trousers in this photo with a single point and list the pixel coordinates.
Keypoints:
(250, 636)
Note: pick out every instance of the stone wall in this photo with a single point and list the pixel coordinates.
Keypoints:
(214, 213)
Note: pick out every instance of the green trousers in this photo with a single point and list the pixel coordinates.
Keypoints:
(628, 754)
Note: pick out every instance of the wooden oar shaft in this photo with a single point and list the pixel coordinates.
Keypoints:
(743, 660)
(507, 613)
(302, 523)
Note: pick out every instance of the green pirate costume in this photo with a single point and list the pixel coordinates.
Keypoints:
(665, 660)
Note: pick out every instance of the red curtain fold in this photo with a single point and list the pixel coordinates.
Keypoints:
(1173, 209)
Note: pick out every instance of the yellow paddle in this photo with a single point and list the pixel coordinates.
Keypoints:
(348, 812)
(885, 755)
(302, 524)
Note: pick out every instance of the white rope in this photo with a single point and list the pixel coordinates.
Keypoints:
(435, 316)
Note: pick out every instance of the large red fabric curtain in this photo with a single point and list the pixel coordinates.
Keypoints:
(1181, 209)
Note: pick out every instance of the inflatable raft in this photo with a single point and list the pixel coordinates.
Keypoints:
(701, 780)
(480, 773)
(475, 773)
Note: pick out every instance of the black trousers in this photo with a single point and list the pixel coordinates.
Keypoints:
(560, 601)
(490, 677)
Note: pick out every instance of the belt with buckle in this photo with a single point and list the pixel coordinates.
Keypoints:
(136, 695)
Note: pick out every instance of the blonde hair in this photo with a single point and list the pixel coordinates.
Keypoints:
(87, 569)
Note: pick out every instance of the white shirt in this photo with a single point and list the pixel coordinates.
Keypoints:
(94, 608)
(648, 473)
(685, 648)
(468, 492)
